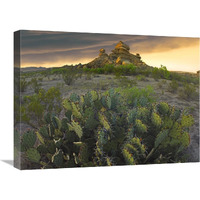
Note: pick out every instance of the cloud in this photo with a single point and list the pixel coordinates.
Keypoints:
(40, 47)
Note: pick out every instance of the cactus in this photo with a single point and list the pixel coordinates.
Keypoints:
(141, 128)
(33, 155)
(143, 114)
(56, 122)
(94, 96)
(110, 128)
(187, 121)
(156, 120)
(175, 113)
(47, 118)
(83, 153)
(28, 139)
(74, 126)
(132, 115)
(108, 102)
(108, 161)
(64, 126)
(102, 137)
(163, 108)
(133, 151)
(75, 111)
(104, 122)
(41, 139)
(161, 137)
(128, 157)
(67, 105)
(44, 132)
(57, 158)
(74, 97)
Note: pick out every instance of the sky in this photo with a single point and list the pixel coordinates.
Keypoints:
(55, 49)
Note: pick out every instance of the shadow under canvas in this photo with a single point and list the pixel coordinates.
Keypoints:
(9, 162)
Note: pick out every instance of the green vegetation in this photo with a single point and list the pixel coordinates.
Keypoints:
(23, 84)
(34, 107)
(188, 92)
(111, 69)
(161, 84)
(35, 85)
(70, 75)
(121, 70)
(103, 127)
(173, 86)
(161, 72)
(116, 127)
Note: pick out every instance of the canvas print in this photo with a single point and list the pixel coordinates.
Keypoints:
(89, 99)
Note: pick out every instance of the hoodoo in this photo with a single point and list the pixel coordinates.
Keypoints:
(120, 55)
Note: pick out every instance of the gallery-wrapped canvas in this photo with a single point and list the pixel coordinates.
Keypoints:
(88, 99)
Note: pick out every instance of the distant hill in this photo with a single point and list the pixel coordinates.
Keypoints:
(32, 69)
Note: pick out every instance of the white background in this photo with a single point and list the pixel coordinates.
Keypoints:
(168, 18)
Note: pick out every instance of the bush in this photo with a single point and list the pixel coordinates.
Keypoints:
(35, 85)
(188, 92)
(23, 84)
(172, 86)
(161, 72)
(69, 77)
(125, 69)
(117, 127)
(125, 82)
(34, 107)
(141, 78)
(161, 84)
(88, 76)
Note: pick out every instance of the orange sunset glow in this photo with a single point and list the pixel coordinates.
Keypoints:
(55, 49)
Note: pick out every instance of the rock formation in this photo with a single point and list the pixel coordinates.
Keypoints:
(120, 56)
(100, 61)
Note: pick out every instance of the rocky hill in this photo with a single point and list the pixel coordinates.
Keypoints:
(120, 55)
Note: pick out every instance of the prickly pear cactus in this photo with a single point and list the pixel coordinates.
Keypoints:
(116, 127)
(133, 151)
(28, 139)
(57, 158)
(33, 155)
(163, 108)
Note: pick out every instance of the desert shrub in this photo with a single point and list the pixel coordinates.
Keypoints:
(104, 129)
(88, 76)
(188, 92)
(101, 85)
(172, 86)
(60, 85)
(23, 84)
(161, 72)
(34, 107)
(137, 97)
(184, 78)
(123, 81)
(70, 75)
(68, 78)
(125, 69)
(112, 69)
(141, 78)
(161, 84)
(108, 68)
(35, 85)
(16, 108)
(40, 79)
